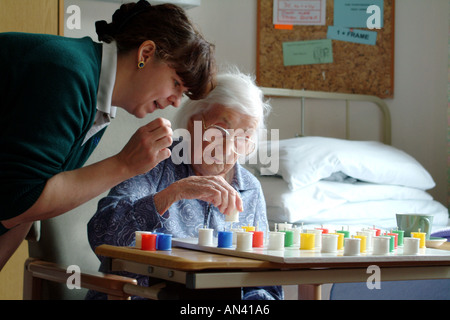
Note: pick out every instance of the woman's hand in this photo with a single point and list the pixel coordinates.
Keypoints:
(147, 147)
(69, 189)
(213, 189)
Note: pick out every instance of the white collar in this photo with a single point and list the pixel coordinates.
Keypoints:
(105, 90)
(107, 79)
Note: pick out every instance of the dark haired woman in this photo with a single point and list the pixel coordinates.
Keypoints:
(57, 96)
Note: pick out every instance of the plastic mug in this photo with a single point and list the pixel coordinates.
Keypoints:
(164, 242)
(148, 241)
(205, 236)
(288, 238)
(307, 241)
(225, 239)
(381, 245)
(352, 247)
(421, 236)
(276, 240)
(411, 245)
(232, 217)
(258, 239)
(329, 243)
(244, 241)
(412, 222)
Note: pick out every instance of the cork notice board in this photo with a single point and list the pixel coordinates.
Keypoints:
(356, 68)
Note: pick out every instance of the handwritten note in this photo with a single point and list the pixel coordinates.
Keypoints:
(352, 35)
(299, 12)
(307, 52)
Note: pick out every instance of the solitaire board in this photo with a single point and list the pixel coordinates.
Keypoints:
(295, 255)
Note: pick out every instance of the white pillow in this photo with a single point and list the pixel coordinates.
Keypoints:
(306, 160)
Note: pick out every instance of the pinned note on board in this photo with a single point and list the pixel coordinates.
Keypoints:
(352, 35)
(359, 13)
(352, 62)
(307, 52)
(299, 12)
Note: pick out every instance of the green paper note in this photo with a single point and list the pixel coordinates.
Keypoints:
(307, 52)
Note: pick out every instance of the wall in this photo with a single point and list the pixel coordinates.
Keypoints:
(420, 102)
(448, 114)
(419, 106)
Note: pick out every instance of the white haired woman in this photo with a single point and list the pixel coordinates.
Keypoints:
(179, 197)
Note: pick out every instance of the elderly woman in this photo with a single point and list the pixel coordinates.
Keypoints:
(201, 182)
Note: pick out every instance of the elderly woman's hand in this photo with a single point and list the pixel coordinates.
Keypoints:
(147, 147)
(213, 189)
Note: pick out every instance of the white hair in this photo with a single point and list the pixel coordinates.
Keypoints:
(234, 90)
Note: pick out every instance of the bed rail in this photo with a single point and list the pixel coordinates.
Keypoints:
(347, 97)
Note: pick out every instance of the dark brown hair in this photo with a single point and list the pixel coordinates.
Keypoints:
(178, 42)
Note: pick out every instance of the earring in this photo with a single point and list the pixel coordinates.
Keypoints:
(141, 64)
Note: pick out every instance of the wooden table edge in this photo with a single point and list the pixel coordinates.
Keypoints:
(179, 259)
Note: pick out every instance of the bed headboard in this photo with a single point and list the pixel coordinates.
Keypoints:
(304, 94)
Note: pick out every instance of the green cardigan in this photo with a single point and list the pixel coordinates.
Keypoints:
(48, 97)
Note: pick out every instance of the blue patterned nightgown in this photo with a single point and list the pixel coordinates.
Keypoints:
(129, 207)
